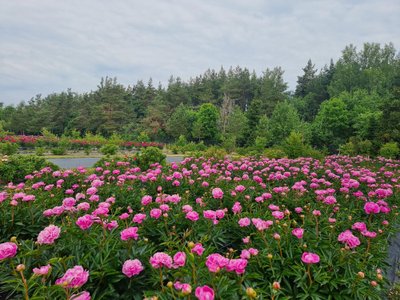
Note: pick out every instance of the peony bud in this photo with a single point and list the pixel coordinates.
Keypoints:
(276, 285)
(251, 293)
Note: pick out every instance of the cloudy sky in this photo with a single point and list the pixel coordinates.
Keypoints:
(48, 46)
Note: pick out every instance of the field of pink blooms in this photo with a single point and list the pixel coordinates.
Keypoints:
(201, 229)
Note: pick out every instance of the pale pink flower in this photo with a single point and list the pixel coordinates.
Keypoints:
(192, 216)
(298, 232)
(81, 296)
(73, 278)
(161, 259)
(179, 260)
(310, 258)
(217, 193)
(49, 235)
(8, 250)
(132, 267)
(139, 218)
(129, 233)
(347, 237)
(44, 270)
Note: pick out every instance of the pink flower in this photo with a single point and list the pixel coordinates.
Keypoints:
(204, 293)
(278, 215)
(44, 270)
(215, 262)
(243, 222)
(73, 278)
(310, 258)
(371, 207)
(161, 259)
(132, 267)
(316, 213)
(360, 226)
(49, 235)
(129, 233)
(81, 296)
(84, 222)
(192, 216)
(298, 232)
(369, 234)
(179, 260)
(217, 193)
(155, 213)
(237, 265)
(237, 208)
(8, 250)
(347, 237)
(139, 218)
(198, 249)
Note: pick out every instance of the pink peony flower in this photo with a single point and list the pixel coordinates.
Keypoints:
(161, 259)
(139, 218)
(81, 296)
(347, 237)
(129, 233)
(215, 262)
(310, 258)
(84, 222)
(179, 260)
(48, 235)
(298, 232)
(204, 293)
(238, 265)
(132, 267)
(44, 270)
(73, 278)
(243, 222)
(198, 249)
(360, 226)
(155, 213)
(192, 216)
(217, 193)
(8, 250)
(371, 207)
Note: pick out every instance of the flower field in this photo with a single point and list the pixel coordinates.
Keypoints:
(201, 229)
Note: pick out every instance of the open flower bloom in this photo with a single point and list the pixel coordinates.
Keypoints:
(49, 235)
(8, 250)
(310, 258)
(132, 267)
(204, 293)
(73, 278)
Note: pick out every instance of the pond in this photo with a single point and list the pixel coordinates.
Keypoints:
(87, 162)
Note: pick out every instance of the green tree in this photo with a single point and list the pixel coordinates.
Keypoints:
(206, 124)
(181, 122)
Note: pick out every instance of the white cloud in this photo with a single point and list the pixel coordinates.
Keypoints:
(49, 46)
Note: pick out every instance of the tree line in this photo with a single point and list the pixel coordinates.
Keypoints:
(354, 100)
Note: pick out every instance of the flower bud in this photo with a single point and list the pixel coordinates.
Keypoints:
(20, 268)
(170, 284)
(251, 293)
(276, 285)
(379, 277)
(191, 245)
(373, 283)
(269, 256)
(13, 239)
(361, 274)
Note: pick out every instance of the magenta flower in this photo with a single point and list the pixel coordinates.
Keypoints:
(132, 267)
(8, 250)
(73, 278)
(371, 207)
(48, 235)
(347, 237)
(215, 262)
(192, 216)
(179, 260)
(198, 249)
(84, 222)
(44, 270)
(217, 193)
(129, 233)
(298, 232)
(310, 258)
(161, 259)
(81, 296)
(139, 218)
(155, 213)
(243, 222)
(204, 293)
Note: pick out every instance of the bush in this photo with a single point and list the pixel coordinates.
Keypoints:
(16, 167)
(215, 152)
(109, 149)
(149, 156)
(8, 148)
(274, 153)
(39, 151)
(389, 150)
(59, 151)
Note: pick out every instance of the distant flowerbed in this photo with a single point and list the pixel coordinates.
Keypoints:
(203, 229)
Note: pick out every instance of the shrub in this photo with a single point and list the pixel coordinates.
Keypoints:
(389, 150)
(274, 153)
(59, 151)
(39, 151)
(149, 156)
(109, 149)
(8, 148)
(16, 167)
(215, 152)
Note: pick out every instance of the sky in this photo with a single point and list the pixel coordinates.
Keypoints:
(48, 46)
